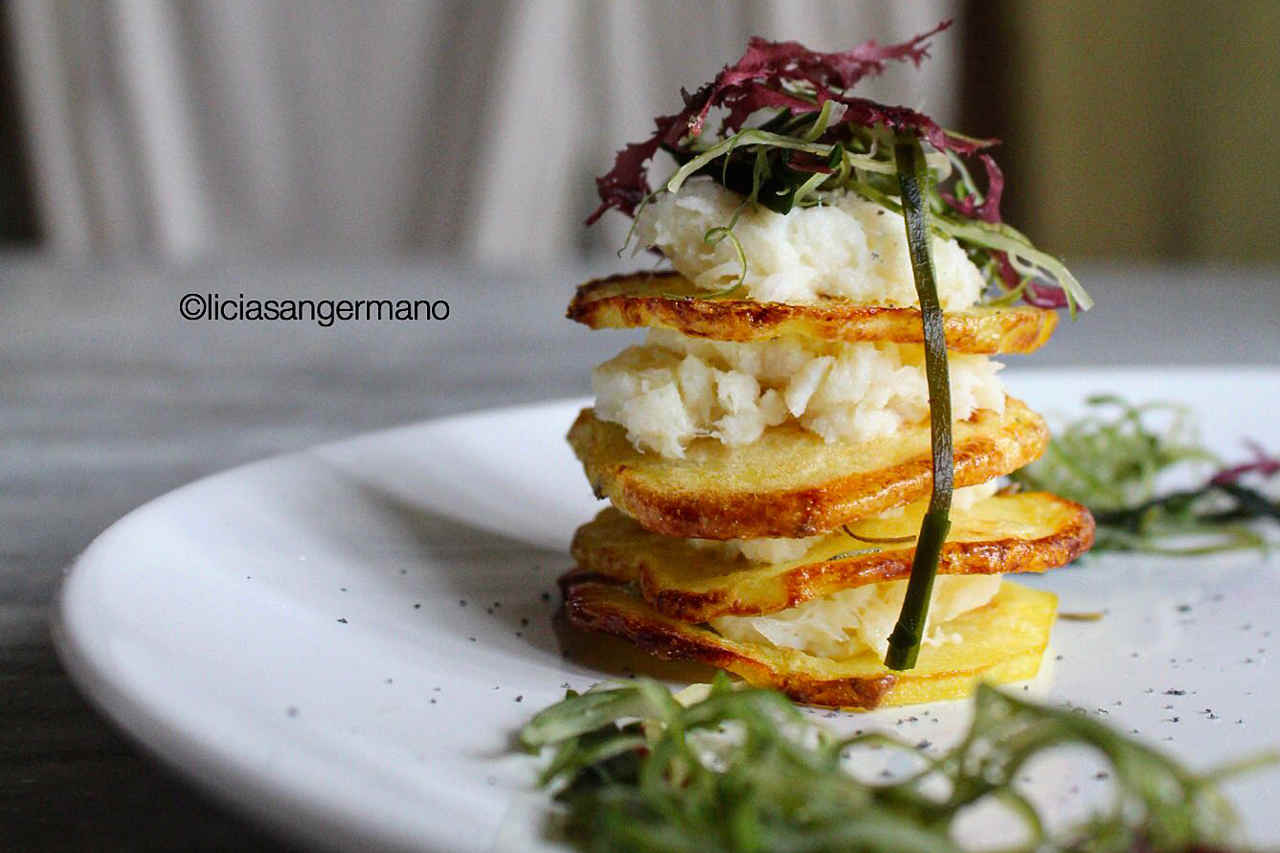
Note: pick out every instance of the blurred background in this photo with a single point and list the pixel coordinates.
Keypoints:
(181, 130)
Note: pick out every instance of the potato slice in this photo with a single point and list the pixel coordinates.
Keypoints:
(790, 483)
(669, 301)
(1029, 532)
(1000, 642)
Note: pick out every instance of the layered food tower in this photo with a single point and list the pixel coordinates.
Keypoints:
(768, 450)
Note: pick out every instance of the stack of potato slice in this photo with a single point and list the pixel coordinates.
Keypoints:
(647, 572)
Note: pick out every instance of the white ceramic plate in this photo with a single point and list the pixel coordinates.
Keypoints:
(342, 641)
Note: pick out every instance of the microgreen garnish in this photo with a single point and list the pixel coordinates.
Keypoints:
(857, 552)
(913, 179)
(792, 134)
(714, 236)
(1111, 459)
(877, 540)
(743, 770)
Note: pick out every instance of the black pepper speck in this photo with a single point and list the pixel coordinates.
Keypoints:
(342, 620)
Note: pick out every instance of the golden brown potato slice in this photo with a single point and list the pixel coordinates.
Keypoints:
(1029, 532)
(669, 301)
(790, 483)
(1000, 642)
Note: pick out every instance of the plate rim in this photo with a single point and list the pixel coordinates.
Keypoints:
(283, 812)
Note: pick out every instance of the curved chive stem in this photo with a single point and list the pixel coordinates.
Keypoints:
(913, 177)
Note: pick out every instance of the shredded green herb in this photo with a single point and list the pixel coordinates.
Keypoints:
(1112, 459)
(743, 770)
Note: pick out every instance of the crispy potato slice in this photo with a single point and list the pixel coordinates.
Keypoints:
(1029, 532)
(670, 301)
(790, 483)
(1000, 642)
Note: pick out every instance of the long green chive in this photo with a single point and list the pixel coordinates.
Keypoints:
(913, 178)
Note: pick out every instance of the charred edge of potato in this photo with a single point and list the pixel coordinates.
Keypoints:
(593, 605)
(793, 512)
(645, 300)
(807, 581)
(668, 643)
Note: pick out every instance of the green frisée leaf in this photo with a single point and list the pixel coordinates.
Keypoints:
(744, 770)
(1111, 460)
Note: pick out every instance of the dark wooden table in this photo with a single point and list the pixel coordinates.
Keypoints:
(108, 398)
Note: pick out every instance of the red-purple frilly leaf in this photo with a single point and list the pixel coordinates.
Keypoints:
(1035, 293)
(899, 119)
(989, 210)
(1263, 463)
(625, 186)
(751, 84)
